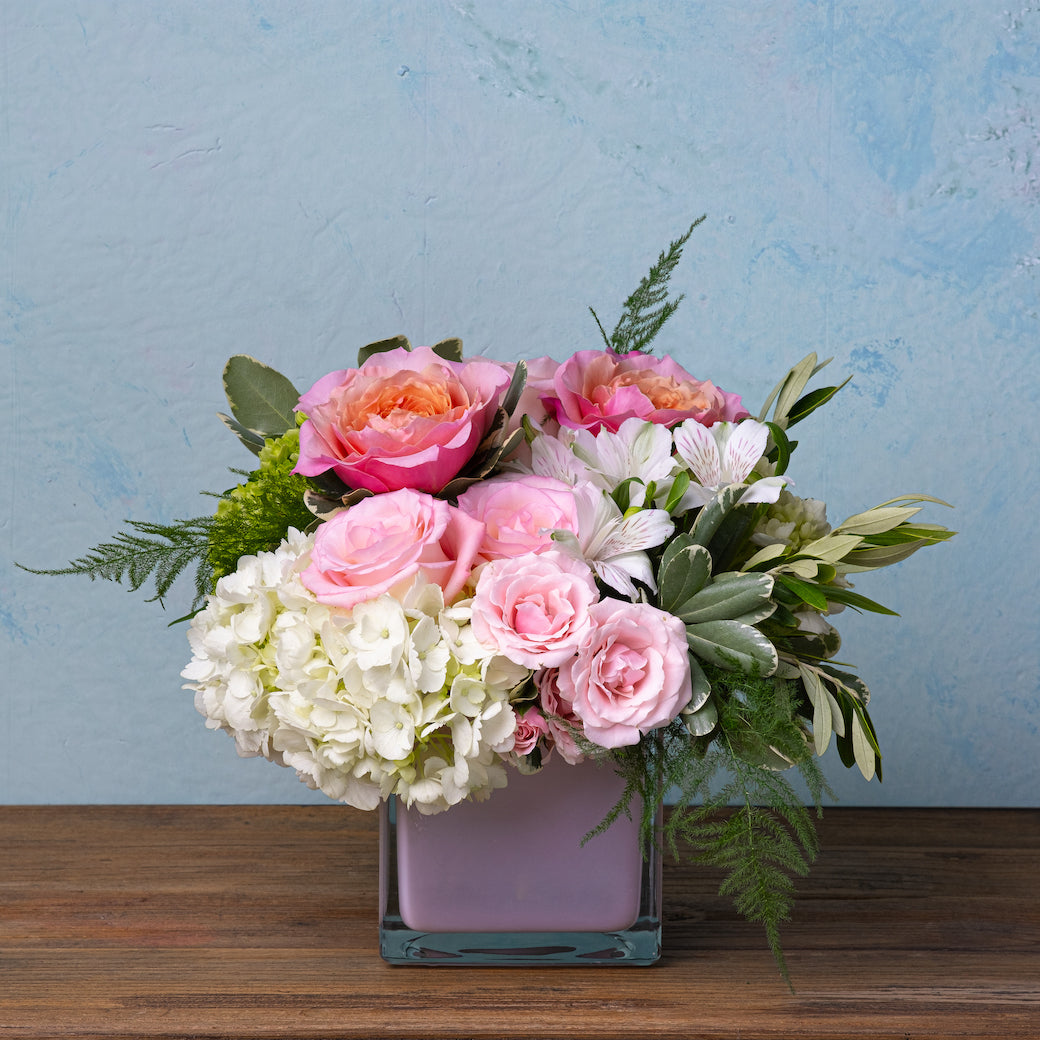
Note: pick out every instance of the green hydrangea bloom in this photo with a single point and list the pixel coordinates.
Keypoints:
(255, 516)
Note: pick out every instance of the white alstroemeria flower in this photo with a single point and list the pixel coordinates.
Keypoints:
(724, 455)
(552, 457)
(638, 449)
(612, 544)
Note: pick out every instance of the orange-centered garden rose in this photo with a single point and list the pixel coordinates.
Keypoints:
(404, 419)
(597, 388)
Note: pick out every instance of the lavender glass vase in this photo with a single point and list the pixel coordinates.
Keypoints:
(508, 881)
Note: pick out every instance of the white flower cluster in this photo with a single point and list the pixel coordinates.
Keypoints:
(392, 697)
(792, 521)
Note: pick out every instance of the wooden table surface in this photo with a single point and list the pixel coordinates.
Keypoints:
(230, 921)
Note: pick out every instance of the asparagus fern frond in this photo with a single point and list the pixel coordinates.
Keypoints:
(149, 552)
(649, 307)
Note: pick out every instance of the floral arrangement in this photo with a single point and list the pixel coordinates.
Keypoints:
(444, 569)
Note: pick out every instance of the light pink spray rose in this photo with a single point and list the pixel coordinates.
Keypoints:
(519, 513)
(404, 419)
(631, 675)
(381, 543)
(559, 716)
(534, 609)
(597, 388)
(530, 728)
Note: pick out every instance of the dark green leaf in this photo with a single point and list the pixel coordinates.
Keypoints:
(806, 592)
(381, 347)
(808, 404)
(449, 349)
(781, 453)
(856, 601)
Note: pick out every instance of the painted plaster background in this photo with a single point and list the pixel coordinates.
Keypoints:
(187, 180)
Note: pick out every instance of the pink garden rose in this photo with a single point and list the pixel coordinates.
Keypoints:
(519, 513)
(631, 674)
(534, 609)
(597, 388)
(383, 542)
(404, 419)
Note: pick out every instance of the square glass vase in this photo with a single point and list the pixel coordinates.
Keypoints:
(507, 881)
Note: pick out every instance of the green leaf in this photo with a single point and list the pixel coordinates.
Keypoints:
(449, 349)
(870, 559)
(516, 388)
(679, 488)
(931, 534)
(685, 569)
(856, 601)
(701, 721)
(766, 555)
(831, 547)
(728, 597)
(822, 723)
(710, 517)
(261, 399)
(877, 520)
(149, 552)
(811, 594)
(381, 347)
(732, 646)
(780, 454)
(790, 388)
(863, 747)
(808, 404)
(253, 441)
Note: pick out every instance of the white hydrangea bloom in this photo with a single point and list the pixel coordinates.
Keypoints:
(392, 697)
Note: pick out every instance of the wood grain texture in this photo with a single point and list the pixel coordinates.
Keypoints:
(260, 922)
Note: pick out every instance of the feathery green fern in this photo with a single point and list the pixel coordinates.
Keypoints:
(159, 553)
(752, 825)
(649, 307)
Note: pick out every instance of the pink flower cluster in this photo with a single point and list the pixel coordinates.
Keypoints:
(403, 425)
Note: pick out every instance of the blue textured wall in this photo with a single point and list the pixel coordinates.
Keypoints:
(185, 180)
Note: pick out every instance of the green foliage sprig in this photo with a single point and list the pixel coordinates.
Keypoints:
(649, 307)
(752, 825)
(159, 553)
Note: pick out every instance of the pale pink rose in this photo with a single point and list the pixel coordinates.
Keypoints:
(598, 388)
(519, 513)
(559, 716)
(631, 675)
(530, 728)
(385, 541)
(405, 419)
(534, 609)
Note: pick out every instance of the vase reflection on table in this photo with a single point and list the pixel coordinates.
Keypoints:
(510, 881)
